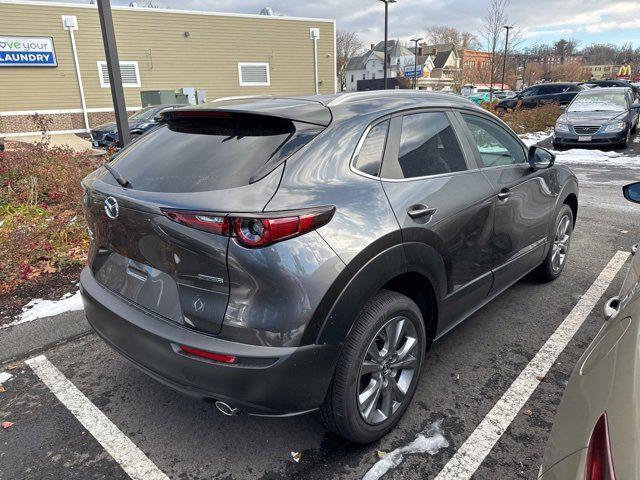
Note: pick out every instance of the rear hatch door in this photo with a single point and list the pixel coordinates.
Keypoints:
(208, 164)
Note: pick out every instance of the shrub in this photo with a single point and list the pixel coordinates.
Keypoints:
(41, 223)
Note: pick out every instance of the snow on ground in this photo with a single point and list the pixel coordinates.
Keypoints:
(39, 308)
(535, 137)
(584, 156)
(430, 441)
(598, 157)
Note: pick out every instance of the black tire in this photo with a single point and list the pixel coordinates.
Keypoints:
(341, 412)
(549, 270)
(625, 144)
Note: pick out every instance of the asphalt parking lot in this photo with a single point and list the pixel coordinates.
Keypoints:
(465, 374)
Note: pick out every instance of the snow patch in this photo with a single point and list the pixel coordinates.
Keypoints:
(430, 441)
(39, 308)
(597, 157)
(534, 138)
(4, 376)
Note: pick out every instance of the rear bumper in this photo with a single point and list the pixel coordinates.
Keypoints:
(273, 381)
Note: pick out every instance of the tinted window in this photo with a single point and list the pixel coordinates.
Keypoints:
(370, 155)
(496, 146)
(428, 146)
(210, 152)
(530, 92)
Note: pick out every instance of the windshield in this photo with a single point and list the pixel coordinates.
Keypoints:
(147, 113)
(599, 102)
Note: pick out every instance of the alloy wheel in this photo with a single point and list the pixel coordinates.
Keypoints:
(387, 370)
(561, 243)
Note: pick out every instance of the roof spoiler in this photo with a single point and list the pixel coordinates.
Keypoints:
(295, 109)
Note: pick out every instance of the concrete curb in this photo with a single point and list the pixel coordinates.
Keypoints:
(21, 340)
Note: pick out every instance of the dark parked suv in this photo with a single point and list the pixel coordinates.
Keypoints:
(543, 94)
(284, 255)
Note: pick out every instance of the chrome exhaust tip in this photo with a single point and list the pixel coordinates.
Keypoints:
(227, 409)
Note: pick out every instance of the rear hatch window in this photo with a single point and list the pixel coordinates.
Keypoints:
(198, 151)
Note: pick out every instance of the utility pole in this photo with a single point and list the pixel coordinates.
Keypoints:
(506, 45)
(415, 61)
(113, 66)
(386, 29)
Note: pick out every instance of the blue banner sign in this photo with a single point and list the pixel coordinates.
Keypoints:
(409, 71)
(27, 52)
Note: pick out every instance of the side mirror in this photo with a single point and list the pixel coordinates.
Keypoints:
(158, 118)
(540, 158)
(632, 192)
(635, 105)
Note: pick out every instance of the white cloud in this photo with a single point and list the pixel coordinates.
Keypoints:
(544, 18)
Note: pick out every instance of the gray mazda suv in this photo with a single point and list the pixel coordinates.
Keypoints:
(279, 256)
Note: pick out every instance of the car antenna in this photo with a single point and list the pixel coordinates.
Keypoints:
(123, 182)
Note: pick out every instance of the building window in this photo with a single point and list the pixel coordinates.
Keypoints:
(128, 70)
(352, 78)
(373, 76)
(253, 74)
(364, 76)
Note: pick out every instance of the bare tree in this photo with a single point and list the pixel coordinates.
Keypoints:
(492, 33)
(348, 45)
(442, 34)
(565, 48)
(569, 72)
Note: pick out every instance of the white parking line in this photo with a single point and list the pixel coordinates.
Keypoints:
(132, 460)
(474, 450)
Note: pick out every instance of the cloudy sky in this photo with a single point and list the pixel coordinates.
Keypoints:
(603, 21)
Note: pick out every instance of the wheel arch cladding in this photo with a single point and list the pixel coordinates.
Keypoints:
(572, 200)
(387, 270)
(418, 288)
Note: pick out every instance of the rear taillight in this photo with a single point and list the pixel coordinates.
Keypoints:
(599, 460)
(256, 230)
(202, 221)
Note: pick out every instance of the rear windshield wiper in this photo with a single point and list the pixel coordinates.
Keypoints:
(123, 182)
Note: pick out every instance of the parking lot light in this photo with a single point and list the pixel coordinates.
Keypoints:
(386, 29)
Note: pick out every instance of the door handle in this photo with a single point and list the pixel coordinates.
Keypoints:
(419, 210)
(504, 194)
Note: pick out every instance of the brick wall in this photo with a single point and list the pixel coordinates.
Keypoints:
(59, 121)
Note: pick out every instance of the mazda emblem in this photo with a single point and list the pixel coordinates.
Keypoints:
(111, 207)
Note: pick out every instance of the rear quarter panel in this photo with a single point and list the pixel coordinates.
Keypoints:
(605, 379)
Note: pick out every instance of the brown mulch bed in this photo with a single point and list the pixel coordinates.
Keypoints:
(47, 287)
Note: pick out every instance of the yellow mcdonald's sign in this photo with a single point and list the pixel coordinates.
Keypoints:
(625, 71)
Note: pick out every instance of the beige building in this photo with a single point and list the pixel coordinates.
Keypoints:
(159, 49)
(603, 72)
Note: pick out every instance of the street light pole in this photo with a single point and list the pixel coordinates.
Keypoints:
(415, 61)
(504, 60)
(113, 66)
(386, 28)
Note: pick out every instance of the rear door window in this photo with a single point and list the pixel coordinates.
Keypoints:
(370, 155)
(428, 146)
(211, 151)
